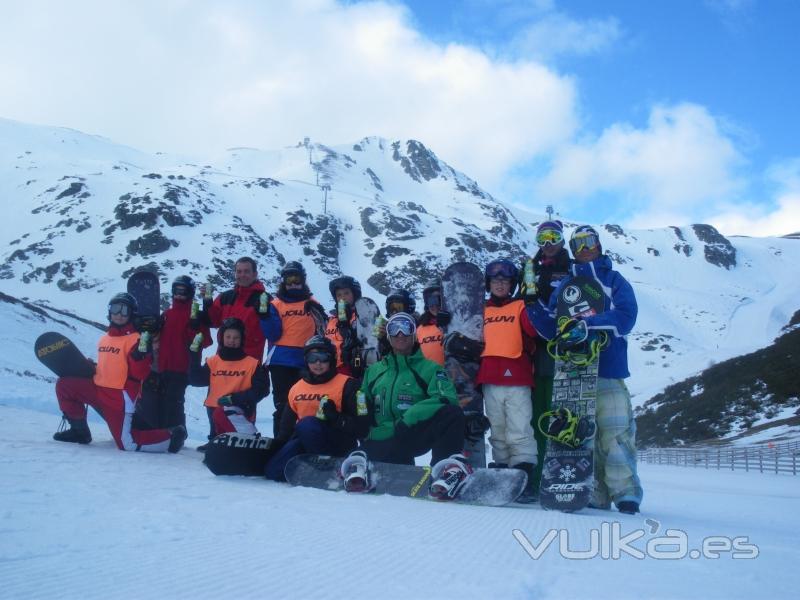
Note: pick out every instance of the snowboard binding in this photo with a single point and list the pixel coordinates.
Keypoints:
(448, 477)
(574, 344)
(566, 428)
(355, 472)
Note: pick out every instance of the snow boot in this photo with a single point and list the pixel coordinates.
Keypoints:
(177, 436)
(530, 493)
(448, 476)
(497, 465)
(77, 433)
(628, 507)
(355, 472)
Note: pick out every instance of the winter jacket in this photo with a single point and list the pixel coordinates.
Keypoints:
(120, 366)
(242, 303)
(245, 395)
(617, 320)
(403, 391)
(499, 369)
(287, 328)
(550, 271)
(176, 335)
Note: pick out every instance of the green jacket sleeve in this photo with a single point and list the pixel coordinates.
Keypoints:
(440, 391)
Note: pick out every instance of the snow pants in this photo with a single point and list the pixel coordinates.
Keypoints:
(616, 477)
(282, 379)
(509, 409)
(311, 436)
(542, 400)
(442, 435)
(231, 419)
(116, 408)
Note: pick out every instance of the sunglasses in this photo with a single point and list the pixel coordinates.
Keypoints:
(398, 326)
(583, 241)
(118, 308)
(293, 280)
(548, 237)
(317, 357)
(500, 269)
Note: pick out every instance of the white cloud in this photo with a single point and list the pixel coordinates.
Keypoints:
(681, 159)
(201, 76)
(557, 34)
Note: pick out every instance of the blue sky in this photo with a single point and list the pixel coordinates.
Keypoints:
(644, 113)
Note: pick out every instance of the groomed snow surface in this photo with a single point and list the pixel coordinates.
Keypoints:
(94, 522)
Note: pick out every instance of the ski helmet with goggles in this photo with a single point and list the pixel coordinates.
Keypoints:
(122, 304)
(345, 282)
(549, 233)
(230, 323)
(400, 301)
(584, 237)
(319, 348)
(501, 268)
(432, 294)
(183, 285)
(293, 268)
(401, 323)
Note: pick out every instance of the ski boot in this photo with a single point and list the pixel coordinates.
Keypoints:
(355, 472)
(448, 476)
(530, 493)
(77, 433)
(177, 435)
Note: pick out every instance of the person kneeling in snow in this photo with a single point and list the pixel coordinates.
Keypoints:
(236, 382)
(121, 368)
(323, 414)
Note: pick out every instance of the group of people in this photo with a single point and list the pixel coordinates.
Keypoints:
(328, 400)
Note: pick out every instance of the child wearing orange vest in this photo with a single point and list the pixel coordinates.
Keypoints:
(236, 382)
(121, 368)
(506, 373)
(333, 428)
(429, 330)
(341, 332)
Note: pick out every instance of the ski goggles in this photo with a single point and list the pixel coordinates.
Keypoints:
(549, 237)
(119, 308)
(401, 323)
(501, 269)
(396, 307)
(583, 241)
(293, 280)
(317, 357)
(181, 290)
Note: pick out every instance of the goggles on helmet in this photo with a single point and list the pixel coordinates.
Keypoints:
(119, 308)
(293, 279)
(396, 307)
(548, 237)
(402, 325)
(583, 241)
(501, 269)
(317, 356)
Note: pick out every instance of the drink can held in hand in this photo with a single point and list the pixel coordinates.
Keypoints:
(320, 412)
(262, 305)
(198, 339)
(195, 309)
(143, 341)
(529, 278)
(341, 311)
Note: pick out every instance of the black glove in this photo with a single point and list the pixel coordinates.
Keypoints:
(401, 431)
(463, 348)
(244, 403)
(475, 425)
(443, 318)
(330, 412)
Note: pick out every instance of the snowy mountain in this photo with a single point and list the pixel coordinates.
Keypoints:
(82, 213)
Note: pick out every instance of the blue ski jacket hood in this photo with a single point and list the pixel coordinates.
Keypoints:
(617, 320)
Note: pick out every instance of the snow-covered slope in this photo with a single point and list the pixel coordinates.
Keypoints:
(82, 213)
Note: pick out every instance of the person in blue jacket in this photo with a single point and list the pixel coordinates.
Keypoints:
(616, 477)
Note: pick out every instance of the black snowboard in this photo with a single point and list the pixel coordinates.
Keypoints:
(485, 487)
(61, 356)
(568, 473)
(145, 287)
(463, 292)
(239, 454)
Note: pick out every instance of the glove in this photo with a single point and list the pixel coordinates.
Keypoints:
(244, 403)
(573, 332)
(443, 318)
(330, 412)
(462, 347)
(225, 401)
(475, 425)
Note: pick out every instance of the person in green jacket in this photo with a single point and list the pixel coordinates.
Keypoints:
(412, 401)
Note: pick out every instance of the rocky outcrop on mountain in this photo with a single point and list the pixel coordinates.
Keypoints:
(717, 249)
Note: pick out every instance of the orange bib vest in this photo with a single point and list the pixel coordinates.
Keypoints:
(112, 360)
(431, 342)
(502, 330)
(296, 323)
(229, 377)
(304, 397)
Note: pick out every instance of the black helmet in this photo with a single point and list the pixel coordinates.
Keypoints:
(320, 343)
(345, 281)
(186, 282)
(126, 299)
(431, 288)
(293, 267)
(409, 304)
(502, 267)
(230, 323)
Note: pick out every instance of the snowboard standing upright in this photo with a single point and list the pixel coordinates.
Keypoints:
(463, 292)
(144, 286)
(56, 352)
(485, 487)
(568, 469)
(367, 314)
